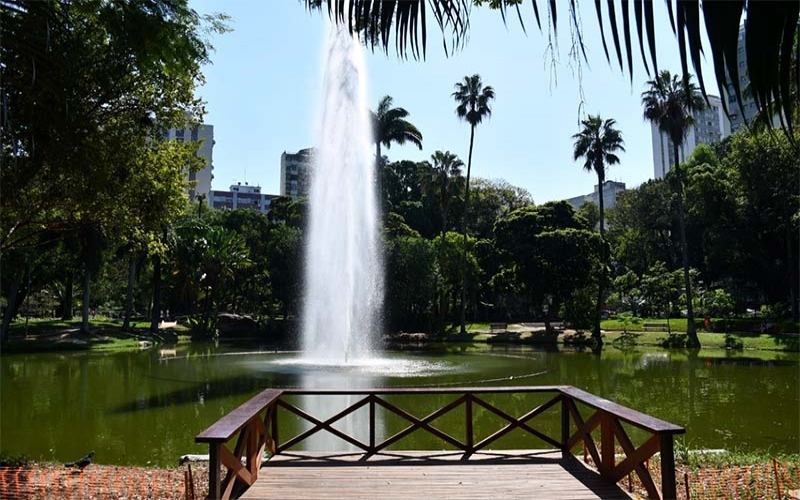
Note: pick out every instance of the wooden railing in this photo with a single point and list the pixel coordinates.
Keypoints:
(257, 424)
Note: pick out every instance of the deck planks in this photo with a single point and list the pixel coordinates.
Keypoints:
(430, 475)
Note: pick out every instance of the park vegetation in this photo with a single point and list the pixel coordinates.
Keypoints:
(94, 215)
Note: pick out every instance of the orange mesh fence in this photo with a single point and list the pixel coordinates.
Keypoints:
(763, 481)
(45, 481)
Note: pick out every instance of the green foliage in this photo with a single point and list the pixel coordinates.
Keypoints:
(9, 460)
(718, 303)
(410, 283)
(546, 255)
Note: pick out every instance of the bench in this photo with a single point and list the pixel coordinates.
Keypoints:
(654, 327)
(498, 327)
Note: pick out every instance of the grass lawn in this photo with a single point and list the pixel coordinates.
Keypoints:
(760, 341)
(60, 335)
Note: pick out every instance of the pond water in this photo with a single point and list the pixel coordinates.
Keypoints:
(146, 407)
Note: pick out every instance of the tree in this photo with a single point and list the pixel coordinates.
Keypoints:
(88, 89)
(446, 168)
(598, 143)
(547, 255)
(389, 125)
(669, 103)
(473, 105)
(490, 200)
(771, 28)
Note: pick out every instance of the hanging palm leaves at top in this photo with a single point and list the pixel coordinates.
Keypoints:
(772, 27)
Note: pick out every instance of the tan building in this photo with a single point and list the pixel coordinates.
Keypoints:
(200, 181)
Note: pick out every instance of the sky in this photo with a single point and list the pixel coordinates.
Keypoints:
(263, 85)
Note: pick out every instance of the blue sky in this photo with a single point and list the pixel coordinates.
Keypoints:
(263, 86)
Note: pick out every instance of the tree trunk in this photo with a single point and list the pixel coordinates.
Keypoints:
(126, 325)
(87, 281)
(11, 308)
(690, 328)
(442, 295)
(601, 281)
(463, 330)
(69, 297)
(155, 313)
(382, 200)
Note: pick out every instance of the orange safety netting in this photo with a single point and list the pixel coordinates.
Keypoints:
(51, 481)
(763, 481)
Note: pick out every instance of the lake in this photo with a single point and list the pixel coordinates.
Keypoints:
(144, 408)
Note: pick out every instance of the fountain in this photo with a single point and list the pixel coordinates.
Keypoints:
(344, 281)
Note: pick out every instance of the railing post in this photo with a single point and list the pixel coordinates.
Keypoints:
(668, 487)
(606, 444)
(565, 452)
(275, 427)
(372, 423)
(469, 436)
(214, 480)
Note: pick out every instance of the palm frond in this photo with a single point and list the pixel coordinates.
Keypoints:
(771, 27)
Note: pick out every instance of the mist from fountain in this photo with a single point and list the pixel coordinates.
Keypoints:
(344, 269)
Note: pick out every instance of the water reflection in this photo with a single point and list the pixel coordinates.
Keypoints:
(134, 407)
(356, 424)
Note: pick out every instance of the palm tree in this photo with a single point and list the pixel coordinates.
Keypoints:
(389, 125)
(472, 100)
(446, 168)
(668, 103)
(598, 142)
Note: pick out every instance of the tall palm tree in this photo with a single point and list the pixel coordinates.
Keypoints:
(389, 125)
(473, 105)
(669, 103)
(598, 143)
(446, 169)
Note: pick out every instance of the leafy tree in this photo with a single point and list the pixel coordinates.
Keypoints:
(547, 254)
(669, 103)
(285, 257)
(446, 169)
(718, 303)
(660, 289)
(411, 283)
(642, 227)
(491, 199)
(88, 89)
(598, 142)
(767, 168)
(473, 101)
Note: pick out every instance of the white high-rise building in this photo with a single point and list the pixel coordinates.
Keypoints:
(242, 196)
(748, 107)
(200, 181)
(295, 172)
(710, 126)
(611, 189)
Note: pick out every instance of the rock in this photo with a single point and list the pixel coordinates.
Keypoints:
(234, 324)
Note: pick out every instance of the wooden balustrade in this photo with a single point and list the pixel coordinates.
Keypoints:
(253, 435)
(256, 421)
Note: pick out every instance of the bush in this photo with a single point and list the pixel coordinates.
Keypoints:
(718, 303)
(9, 460)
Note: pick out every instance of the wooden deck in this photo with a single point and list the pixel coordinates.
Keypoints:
(431, 475)
(472, 470)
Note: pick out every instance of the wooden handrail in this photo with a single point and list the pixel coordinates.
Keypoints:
(633, 417)
(223, 429)
(254, 438)
(258, 433)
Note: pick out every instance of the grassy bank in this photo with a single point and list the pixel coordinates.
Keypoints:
(105, 335)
